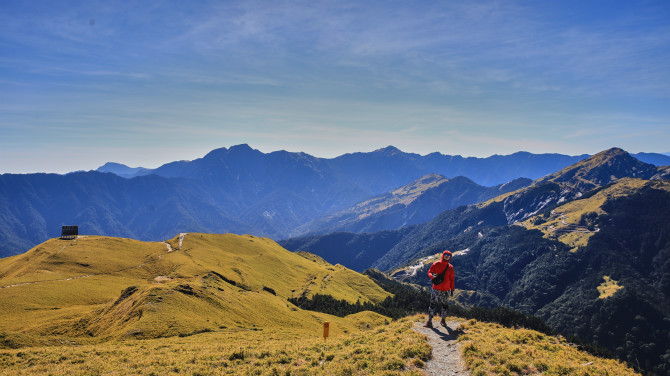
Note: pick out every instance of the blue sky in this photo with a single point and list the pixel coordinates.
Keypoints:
(148, 82)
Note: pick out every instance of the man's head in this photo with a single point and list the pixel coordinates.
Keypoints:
(446, 256)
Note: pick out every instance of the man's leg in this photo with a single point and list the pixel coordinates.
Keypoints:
(443, 296)
(431, 308)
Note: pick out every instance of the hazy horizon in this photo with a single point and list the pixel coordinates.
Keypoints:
(143, 84)
(271, 151)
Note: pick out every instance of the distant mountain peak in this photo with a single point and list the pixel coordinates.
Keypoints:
(121, 169)
(389, 150)
(601, 169)
(614, 150)
(611, 153)
(422, 184)
(111, 165)
(241, 147)
(235, 149)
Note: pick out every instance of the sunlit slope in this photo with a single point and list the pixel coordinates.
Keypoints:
(489, 349)
(95, 288)
(573, 223)
(377, 346)
(601, 169)
(58, 259)
(596, 171)
(260, 262)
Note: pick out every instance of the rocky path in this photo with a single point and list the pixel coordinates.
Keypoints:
(447, 360)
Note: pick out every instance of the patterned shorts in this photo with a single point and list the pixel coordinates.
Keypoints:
(438, 298)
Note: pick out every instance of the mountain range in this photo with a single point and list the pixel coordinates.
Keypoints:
(390, 164)
(587, 249)
(584, 246)
(242, 190)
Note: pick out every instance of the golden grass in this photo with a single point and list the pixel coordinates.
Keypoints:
(562, 225)
(375, 347)
(58, 259)
(98, 289)
(490, 349)
(608, 287)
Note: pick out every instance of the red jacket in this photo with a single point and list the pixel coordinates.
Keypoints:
(437, 268)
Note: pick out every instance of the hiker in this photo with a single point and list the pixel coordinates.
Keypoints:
(442, 275)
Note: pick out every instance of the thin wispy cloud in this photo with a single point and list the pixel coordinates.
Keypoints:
(317, 75)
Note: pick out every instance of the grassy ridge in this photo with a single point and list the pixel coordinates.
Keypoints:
(95, 289)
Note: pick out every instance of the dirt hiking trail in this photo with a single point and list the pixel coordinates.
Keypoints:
(447, 359)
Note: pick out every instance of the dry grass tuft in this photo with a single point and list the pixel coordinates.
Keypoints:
(490, 349)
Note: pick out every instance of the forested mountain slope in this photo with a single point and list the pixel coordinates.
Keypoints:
(414, 203)
(613, 290)
(566, 185)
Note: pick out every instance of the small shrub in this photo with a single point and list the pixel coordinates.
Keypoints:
(393, 364)
(237, 355)
(418, 363)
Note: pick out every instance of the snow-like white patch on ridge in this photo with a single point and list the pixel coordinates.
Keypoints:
(412, 270)
(181, 238)
(462, 252)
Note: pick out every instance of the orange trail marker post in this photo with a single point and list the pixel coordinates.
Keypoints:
(326, 329)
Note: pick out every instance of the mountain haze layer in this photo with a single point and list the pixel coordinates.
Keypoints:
(235, 189)
(239, 190)
(411, 204)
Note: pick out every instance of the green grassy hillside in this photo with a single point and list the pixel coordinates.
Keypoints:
(100, 288)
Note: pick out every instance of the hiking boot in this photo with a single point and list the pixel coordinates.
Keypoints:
(443, 323)
(428, 324)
